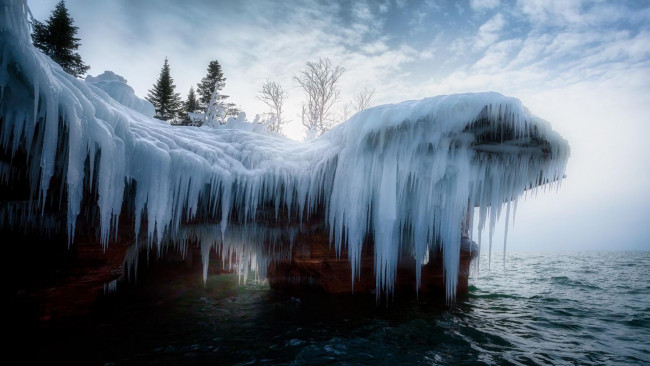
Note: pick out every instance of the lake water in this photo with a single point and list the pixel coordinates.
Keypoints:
(536, 308)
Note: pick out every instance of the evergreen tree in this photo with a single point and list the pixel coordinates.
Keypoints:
(166, 102)
(40, 35)
(231, 109)
(56, 38)
(190, 106)
(208, 83)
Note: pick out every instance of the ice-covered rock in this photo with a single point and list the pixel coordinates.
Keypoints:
(116, 87)
(406, 176)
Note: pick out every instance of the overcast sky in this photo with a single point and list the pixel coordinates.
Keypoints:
(582, 65)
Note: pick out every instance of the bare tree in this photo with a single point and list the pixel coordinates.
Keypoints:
(362, 99)
(319, 81)
(346, 111)
(274, 96)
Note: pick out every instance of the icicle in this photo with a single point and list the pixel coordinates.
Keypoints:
(505, 232)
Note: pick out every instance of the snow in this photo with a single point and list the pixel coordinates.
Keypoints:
(116, 87)
(407, 174)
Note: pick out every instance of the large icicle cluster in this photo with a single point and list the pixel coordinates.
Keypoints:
(407, 175)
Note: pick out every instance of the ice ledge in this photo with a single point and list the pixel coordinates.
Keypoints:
(405, 175)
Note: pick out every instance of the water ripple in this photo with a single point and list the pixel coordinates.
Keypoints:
(532, 309)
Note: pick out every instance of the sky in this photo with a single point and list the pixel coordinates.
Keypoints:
(583, 65)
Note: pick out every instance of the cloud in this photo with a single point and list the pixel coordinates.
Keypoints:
(416, 24)
(552, 12)
(533, 45)
(480, 5)
(488, 33)
(376, 47)
(580, 13)
(498, 56)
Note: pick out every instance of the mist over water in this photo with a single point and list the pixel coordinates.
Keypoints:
(536, 308)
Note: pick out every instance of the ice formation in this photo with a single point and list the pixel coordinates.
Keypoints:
(116, 87)
(407, 175)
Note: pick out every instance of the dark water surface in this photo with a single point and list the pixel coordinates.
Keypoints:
(541, 308)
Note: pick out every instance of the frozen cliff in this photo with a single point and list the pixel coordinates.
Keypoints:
(406, 176)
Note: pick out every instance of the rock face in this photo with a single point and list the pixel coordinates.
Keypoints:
(50, 280)
(315, 266)
(81, 274)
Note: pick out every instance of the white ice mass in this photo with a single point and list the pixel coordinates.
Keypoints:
(407, 175)
(117, 88)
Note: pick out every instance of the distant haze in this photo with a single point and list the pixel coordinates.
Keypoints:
(582, 65)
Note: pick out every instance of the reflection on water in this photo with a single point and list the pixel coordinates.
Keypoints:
(540, 309)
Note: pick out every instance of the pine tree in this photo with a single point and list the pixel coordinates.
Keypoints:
(166, 102)
(56, 38)
(40, 36)
(191, 105)
(208, 83)
(231, 109)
